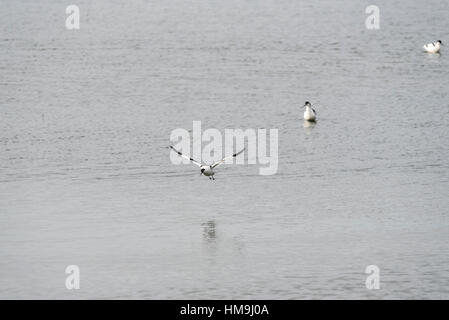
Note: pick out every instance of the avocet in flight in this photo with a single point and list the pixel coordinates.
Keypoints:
(207, 170)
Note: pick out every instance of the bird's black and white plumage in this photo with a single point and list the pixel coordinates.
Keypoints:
(433, 47)
(310, 113)
(205, 169)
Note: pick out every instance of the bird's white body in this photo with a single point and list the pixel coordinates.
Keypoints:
(309, 114)
(208, 172)
(433, 47)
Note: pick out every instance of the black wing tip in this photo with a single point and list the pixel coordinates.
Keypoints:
(171, 147)
(191, 159)
(237, 153)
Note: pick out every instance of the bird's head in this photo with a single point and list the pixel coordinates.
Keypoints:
(202, 170)
(307, 104)
(439, 41)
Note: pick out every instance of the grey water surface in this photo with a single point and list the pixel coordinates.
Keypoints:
(86, 177)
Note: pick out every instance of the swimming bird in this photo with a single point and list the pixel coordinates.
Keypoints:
(310, 113)
(433, 47)
(205, 169)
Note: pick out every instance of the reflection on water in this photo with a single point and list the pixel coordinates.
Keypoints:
(309, 125)
(209, 234)
(433, 56)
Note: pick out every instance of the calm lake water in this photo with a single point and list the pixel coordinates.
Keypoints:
(86, 178)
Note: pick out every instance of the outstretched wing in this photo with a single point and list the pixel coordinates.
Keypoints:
(186, 157)
(216, 164)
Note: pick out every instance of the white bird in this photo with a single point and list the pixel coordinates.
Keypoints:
(433, 47)
(310, 113)
(205, 169)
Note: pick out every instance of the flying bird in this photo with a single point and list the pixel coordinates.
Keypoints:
(205, 169)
